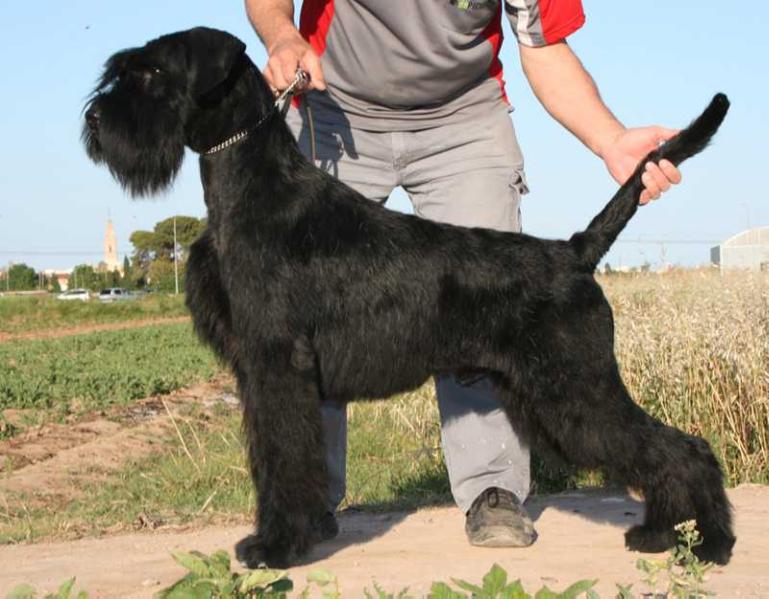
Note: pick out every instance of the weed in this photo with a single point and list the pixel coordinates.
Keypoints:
(65, 591)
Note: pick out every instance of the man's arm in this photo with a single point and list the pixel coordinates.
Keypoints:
(569, 94)
(273, 21)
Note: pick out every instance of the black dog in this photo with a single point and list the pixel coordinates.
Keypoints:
(309, 291)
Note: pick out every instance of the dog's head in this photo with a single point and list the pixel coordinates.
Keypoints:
(137, 121)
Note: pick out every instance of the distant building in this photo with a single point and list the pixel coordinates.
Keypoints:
(110, 261)
(747, 250)
(62, 276)
(110, 247)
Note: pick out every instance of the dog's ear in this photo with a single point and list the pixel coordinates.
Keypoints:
(211, 55)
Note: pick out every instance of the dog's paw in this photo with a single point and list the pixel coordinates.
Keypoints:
(253, 554)
(647, 540)
(715, 548)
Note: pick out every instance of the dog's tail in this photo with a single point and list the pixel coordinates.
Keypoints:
(590, 245)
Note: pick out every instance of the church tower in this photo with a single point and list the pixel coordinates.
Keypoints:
(110, 248)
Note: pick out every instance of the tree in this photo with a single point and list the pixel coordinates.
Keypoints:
(187, 230)
(144, 248)
(162, 277)
(22, 277)
(53, 284)
(154, 251)
(127, 279)
(85, 277)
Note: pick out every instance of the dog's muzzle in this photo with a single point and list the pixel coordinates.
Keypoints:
(92, 118)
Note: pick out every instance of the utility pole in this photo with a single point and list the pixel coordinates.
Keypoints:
(747, 214)
(176, 262)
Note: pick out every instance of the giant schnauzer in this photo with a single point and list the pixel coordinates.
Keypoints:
(309, 292)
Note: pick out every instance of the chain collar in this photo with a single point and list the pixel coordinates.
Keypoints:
(281, 104)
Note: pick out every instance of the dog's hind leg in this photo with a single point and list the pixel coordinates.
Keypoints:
(593, 423)
(282, 422)
(681, 480)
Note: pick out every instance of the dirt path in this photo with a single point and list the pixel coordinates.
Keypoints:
(53, 461)
(580, 537)
(90, 328)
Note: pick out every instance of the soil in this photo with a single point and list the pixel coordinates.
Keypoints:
(580, 537)
(89, 328)
(52, 462)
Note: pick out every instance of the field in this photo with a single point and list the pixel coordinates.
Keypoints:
(20, 316)
(693, 348)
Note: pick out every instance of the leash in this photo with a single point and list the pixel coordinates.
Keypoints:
(282, 102)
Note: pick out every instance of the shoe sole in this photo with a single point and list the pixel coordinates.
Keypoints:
(502, 536)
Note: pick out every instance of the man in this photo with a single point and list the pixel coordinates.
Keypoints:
(411, 94)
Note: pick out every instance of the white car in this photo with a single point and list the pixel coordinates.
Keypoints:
(75, 294)
(115, 294)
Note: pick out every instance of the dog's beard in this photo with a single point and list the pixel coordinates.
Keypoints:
(143, 149)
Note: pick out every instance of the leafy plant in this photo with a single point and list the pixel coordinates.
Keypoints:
(326, 581)
(496, 586)
(210, 576)
(683, 571)
(103, 368)
(26, 591)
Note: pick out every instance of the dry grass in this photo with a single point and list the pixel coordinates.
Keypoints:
(693, 348)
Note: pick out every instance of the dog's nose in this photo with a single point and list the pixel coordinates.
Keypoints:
(92, 117)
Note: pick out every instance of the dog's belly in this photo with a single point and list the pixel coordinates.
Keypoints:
(367, 368)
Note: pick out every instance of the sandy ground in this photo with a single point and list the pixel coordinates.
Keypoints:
(90, 328)
(580, 537)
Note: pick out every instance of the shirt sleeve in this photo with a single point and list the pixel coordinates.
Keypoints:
(543, 22)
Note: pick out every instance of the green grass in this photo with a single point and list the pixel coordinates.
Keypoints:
(98, 369)
(29, 314)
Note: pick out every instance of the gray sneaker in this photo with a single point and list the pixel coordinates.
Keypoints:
(497, 519)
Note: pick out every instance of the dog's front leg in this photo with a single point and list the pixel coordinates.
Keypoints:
(282, 422)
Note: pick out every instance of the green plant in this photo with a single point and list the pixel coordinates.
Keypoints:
(380, 593)
(684, 572)
(7, 429)
(25, 591)
(326, 582)
(210, 576)
(496, 586)
(99, 369)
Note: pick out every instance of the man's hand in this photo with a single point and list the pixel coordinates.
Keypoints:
(289, 51)
(627, 148)
(273, 21)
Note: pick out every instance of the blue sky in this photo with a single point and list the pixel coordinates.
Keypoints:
(657, 66)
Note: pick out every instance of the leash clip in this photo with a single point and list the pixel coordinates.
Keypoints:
(301, 79)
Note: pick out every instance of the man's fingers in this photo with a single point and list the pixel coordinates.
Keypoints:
(268, 76)
(311, 64)
(670, 171)
(277, 67)
(645, 197)
(659, 178)
(651, 185)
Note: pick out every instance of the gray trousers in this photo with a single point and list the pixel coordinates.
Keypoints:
(466, 173)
